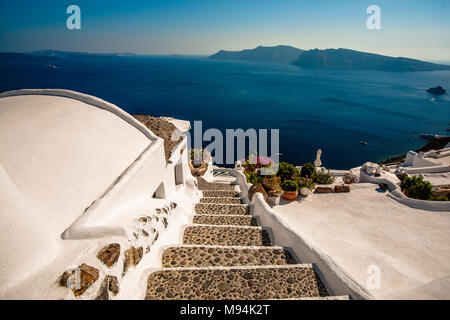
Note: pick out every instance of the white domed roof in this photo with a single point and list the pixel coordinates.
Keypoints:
(59, 151)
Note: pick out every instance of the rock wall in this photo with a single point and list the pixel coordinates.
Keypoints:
(114, 260)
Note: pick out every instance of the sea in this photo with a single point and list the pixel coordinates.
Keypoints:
(331, 110)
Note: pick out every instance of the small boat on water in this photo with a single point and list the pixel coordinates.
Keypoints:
(363, 143)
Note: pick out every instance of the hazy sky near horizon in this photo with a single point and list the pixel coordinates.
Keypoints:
(416, 29)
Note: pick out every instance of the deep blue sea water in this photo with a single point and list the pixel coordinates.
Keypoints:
(329, 109)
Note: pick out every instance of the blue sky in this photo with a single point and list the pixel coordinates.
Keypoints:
(417, 29)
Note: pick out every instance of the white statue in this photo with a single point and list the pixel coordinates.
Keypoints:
(317, 162)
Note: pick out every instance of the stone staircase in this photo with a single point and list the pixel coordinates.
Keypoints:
(225, 255)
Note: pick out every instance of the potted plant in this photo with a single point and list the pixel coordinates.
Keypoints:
(199, 161)
(290, 188)
(349, 178)
(286, 171)
(272, 185)
(305, 184)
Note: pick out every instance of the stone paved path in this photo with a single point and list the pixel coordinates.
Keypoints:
(225, 255)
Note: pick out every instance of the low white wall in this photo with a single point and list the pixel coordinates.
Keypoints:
(336, 280)
(442, 153)
(139, 181)
(339, 173)
(414, 159)
(432, 169)
(418, 164)
(396, 194)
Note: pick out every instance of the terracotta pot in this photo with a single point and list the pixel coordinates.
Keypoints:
(290, 195)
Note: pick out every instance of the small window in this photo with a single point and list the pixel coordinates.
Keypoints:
(179, 179)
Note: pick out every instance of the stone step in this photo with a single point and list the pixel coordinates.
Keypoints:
(224, 177)
(222, 174)
(215, 208)
(226, 236)
(200, 256)
(205, 185)
(215, 219)
(231, 283)
(218, 193)
(222, 200)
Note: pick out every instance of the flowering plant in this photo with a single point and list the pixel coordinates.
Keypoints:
(349, 178)
(252, 163)
(306, 182)
(287, 171)
(289, 185)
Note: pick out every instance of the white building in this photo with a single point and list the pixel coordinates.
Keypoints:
(76, 173)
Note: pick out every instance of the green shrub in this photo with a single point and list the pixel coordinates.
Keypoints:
(253, 177)
(287, 171)
(416, 187)
(405, 182)
(308, 171)
(289, 185)
(440, 198)
(324, 177)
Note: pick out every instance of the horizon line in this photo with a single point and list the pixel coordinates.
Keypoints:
(209, 54)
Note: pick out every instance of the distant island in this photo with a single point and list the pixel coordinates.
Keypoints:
(56, 55)
(351, 59)
(277, 54)
(12, 56)
(71, 54)
(329, 59)
(315, 58)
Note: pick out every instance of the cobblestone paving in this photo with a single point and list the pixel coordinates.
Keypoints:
(264, 283)
(226, 236)
(221, 200)
(225, 220)
(221, 208)
(219, 193)
(214, 257)
(214, 208)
